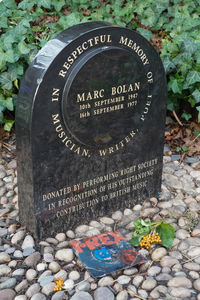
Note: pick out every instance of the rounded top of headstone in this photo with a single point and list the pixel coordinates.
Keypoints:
(98, 81)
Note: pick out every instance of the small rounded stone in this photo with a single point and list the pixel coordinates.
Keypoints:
(103, 293)
(104, 281)
(31, 274)
(70, 234)
(68, 284)
(38, 296)
(20, 297)
(54, 267)
(137, 280)
(74, 275)
(180, 293)
(66, 255)
(83, 286)
(61, 237)
(83, 295)
(32, 290)
(179, 282)
(123, 279)
(48, 288)
(7, 294)
(4, 257)
(61, 274)
(194, 274)
(28, 242)
(107, 221)
(123, 295)
(149, 284)
(196, 284)
(41, 267)
(158, 253)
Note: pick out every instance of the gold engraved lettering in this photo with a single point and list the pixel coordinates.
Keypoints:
(146, 110)
(150, 77)
(147, 164)
(121, 192)
(90, 95)
(108, 109)
(125, 88)
(133, 103)
(129, 43)
(62, 73)
(66, 65)
(109, 101)
(139, 185)
(66, 140)
(84, 114)
(55, 118)
(51, 206)
(55, 95)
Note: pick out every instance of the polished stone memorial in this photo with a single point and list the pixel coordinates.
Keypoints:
(90, 127)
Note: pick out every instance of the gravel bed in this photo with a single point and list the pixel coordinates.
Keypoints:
(28, 269)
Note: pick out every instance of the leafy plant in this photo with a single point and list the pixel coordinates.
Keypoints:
(182, 148)
(143, 228)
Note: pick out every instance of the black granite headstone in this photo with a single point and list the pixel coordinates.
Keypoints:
(90, 125)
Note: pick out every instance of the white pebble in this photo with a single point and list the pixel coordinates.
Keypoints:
(74, 275)
(70, 234)
(61, 237)
(31, 274)
(28, 242)
(54, 267)
(68, 284)
(66, 255)
(41, 267)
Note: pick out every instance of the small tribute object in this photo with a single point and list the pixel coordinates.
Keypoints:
(106, 253)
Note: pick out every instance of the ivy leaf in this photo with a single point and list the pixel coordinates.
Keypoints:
(146, 33)
(198, 109)
(20, 30)
(23, 48)
(166, 233)
(2, 59)
(185, 148)
(7, 79)
(69, 20)
(186, 116)
(9, 56)
(168, 64)
(3, 10)
(190, 46)
(9, 104)
(8, 124)
(175, 86)
(192, 101)
(135, 241)
(196, 95)
(192, 77)
(10, 4)
(26, 4)
(58, 4)
(3, 22)
(45, 3)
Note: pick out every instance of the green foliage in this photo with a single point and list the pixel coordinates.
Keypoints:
(182, 148)
(141, 228)
(166, 233)
(28, 24)
(145, 227)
